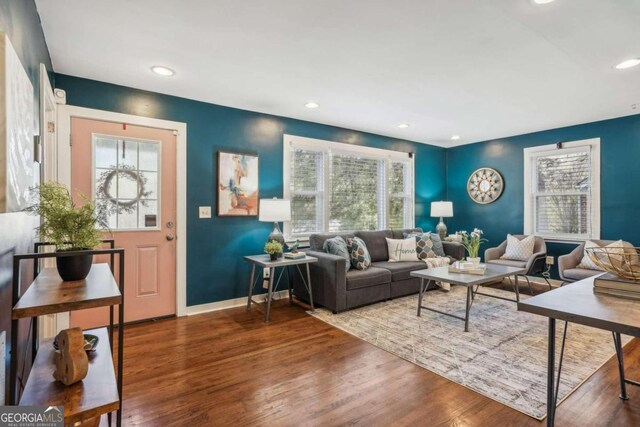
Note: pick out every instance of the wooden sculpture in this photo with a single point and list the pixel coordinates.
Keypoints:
(71, 359)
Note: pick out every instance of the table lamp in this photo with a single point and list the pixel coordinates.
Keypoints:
(442, 210)
(275, 210)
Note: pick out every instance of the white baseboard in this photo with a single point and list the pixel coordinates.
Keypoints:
(230, 303)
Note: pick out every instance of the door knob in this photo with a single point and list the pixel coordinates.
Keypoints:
(170, 237)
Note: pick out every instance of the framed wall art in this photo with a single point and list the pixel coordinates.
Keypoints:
(237, 190)
(17, 173)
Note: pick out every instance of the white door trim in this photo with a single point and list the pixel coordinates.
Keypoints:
(66, 112)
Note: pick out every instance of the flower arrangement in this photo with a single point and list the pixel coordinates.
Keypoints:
(472, 241)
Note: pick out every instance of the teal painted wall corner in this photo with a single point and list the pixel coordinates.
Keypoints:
(620, 201)
(215, 268)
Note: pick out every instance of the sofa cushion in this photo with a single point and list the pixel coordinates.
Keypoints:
(400, 270)
(429, 244)
(402, 250)
(376, 243)
(360, 257)
(580, 273)
(316, 241)
(338, 246)
(508, 263)
(519, 250)
(372, 276)
(402, 234)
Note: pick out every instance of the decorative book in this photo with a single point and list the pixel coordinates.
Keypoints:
(294, 255)
(611, 281)
(467, 268)
(617, 293)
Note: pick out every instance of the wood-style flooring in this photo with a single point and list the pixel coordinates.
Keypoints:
(227, 368)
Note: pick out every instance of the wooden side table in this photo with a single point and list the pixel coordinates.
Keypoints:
(265, 262)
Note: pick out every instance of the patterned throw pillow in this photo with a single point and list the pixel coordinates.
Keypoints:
(337, 246)
(359, 253)
(519, 250)
(428, 245)
(615, 247)
(402, 249)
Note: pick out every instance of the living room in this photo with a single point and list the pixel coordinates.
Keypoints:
(373, 125)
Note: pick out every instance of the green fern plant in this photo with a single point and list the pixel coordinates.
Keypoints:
(63, 224)
(273, 247)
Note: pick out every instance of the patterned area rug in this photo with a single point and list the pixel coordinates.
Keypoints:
(503, 356)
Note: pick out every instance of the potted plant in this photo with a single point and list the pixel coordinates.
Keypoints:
(68, 227)
(471, 243)
(273, 248)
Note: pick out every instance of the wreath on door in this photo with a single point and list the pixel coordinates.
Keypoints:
(113, 204)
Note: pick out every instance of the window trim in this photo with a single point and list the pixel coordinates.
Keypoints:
(594, 214)
(326, 147)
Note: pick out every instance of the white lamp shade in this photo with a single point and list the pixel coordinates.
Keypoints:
(275, 210)
(442, 209)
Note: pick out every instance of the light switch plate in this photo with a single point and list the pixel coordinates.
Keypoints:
(205, 211)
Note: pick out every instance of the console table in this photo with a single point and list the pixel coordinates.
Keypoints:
(577, 303)
(265, 262)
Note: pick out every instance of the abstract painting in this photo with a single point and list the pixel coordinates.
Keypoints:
(16, 130)
(237, 184)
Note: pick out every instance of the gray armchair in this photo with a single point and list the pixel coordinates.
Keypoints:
(568, 264)
(534, 265)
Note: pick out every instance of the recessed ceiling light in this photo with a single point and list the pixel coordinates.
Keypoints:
(311, 105)
(629, 63)
(455, 137)
(403, 125)
(542, 1)
(162, 71)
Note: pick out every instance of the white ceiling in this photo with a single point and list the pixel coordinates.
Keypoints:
(481, 69)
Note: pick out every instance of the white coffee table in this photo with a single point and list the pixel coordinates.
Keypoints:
(492, 273)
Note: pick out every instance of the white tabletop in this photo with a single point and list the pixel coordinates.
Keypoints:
(265, 261)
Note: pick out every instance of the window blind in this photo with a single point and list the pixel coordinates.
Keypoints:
(562, 193)
(306, 191)
(336, 189)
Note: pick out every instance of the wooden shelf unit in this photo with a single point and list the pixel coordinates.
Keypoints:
(49, 294)
(95, 395)
(101, 390)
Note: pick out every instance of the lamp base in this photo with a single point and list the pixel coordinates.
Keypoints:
(276, 235)
(441, 228)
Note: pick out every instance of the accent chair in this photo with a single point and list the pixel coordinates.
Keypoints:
(535, 264)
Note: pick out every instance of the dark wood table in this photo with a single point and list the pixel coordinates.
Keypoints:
(577, 303)
(493, 273)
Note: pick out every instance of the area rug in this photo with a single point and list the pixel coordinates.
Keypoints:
(503, 356)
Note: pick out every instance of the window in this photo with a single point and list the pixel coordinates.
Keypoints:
(126, 181)
(335, 187)
(562, 190)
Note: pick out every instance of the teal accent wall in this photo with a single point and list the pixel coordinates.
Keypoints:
(215, 247)
(20, 21)
(619, 185)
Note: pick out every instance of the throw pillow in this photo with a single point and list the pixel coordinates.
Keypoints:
(519, 250)
(337, 246)
(615, 247)
(429, 245)
(359, 253)
(402, 249)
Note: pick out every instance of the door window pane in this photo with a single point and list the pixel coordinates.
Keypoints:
(126, 181)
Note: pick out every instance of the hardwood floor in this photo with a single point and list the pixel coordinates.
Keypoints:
(228, 368)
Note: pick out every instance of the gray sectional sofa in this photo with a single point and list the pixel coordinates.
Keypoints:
(339, 291)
